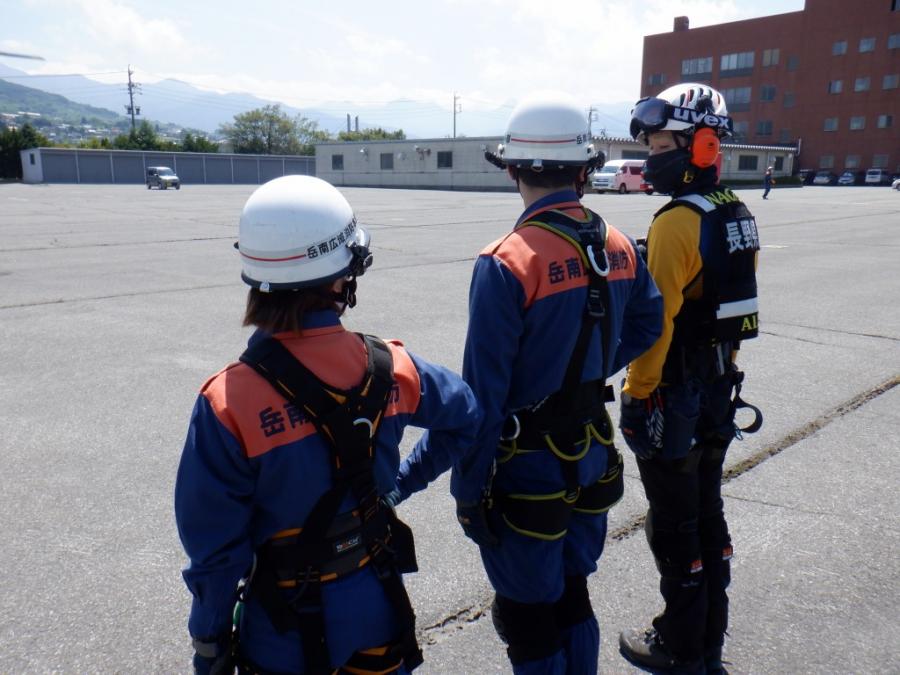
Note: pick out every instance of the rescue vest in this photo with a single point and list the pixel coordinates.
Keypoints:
(727, 310)
(292, 566)
(568, 421)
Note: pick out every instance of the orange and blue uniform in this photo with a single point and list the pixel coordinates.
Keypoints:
(253, 466)
(527, 301)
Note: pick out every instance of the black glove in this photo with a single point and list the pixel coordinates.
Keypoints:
(214, 656)
(642, 421)
(475, 523)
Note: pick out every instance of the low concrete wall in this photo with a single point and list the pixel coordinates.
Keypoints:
(71, 165)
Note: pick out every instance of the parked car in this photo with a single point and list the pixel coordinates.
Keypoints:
(825, 178)
(852, 178)
(646, 188)
(806, 176)
(618, 175)
(162, 177)
(878, 177)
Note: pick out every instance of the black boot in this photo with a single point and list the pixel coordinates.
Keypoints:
(646, 649)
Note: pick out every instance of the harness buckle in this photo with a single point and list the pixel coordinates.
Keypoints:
(595, 307)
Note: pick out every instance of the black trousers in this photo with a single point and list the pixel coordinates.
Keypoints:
(686, 525)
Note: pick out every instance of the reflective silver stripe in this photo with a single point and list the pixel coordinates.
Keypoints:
(697, 200)
(728, 310)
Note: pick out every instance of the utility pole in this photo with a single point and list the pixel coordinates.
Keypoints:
(348, 123)
(457, 108)
(592, 116)
(132, 88)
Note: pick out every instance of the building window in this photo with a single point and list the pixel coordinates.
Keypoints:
(337, 162)
(857, 123)
(764, 128)
(740, 130)
(879, 161)
(788, 99)
(831, 124)
(890, 81)
(747, 162)
(866, 45)
(699, 66)
(740, 63)
(852, 162)
(737, 99)
(656, 78)
(884, 122)
(767, 92)
(835, 86)
(862, 84)
(839, 48)
(387, 161)
(826, 162)
(770, 57)
(779, 164)
(445, 159)
(894, 41)
(784, 136)
(793, 62)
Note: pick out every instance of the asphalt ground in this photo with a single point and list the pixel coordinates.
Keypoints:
(117, 303)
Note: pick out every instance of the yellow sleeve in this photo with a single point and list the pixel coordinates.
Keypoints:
(673, 258)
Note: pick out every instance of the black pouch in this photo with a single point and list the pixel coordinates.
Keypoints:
(403, 545)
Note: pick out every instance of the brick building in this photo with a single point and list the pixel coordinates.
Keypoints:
(826, 78)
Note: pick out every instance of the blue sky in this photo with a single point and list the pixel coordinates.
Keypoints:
(490, 52)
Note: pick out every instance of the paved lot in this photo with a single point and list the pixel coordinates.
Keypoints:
(116, 303)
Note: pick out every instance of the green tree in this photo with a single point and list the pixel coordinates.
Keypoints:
(376, 134)
(270, 131)
(12, 141)
(191, 143)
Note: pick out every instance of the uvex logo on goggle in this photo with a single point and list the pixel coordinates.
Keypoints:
(707, 119)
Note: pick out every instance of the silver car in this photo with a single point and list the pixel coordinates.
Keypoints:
(162, 177)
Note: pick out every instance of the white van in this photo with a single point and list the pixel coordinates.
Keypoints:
(619, 175)
(878, 177)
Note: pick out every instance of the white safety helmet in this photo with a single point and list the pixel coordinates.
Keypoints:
(298, 232)
(681, 108)
(548, 129)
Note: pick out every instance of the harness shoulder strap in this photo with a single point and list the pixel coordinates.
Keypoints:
(589, 239)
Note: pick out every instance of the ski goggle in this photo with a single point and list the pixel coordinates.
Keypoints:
(653, 114)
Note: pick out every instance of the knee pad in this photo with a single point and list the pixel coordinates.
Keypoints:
(529, 630)
(574, 606)
(675, 546)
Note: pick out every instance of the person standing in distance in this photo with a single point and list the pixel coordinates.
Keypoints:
(679, 398)
(768, 182)
(290, 452)
(556, 306)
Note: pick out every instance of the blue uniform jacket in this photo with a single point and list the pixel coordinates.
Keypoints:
(253, 466)
(526, 303)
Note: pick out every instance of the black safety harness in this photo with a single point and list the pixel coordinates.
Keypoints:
(294, 564)
(568, 421)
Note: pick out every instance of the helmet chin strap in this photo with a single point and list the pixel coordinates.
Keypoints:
(346, 297)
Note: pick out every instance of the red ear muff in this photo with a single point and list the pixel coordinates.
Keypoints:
(704, 148)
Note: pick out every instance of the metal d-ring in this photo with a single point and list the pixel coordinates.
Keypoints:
(367, 422)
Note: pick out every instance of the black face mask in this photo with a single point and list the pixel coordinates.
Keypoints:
(666, 170)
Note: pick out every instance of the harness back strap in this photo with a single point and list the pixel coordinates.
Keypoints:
(348, 421)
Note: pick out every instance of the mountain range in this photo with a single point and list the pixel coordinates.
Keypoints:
(182, 103)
